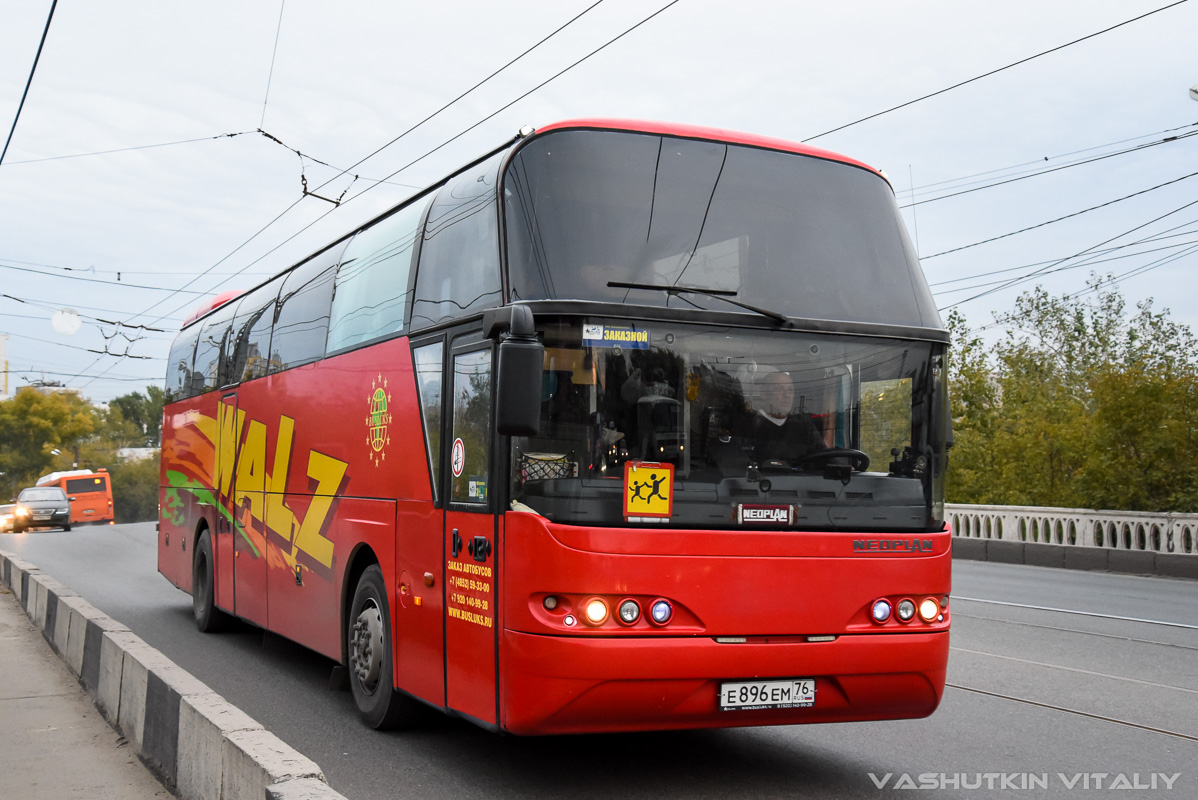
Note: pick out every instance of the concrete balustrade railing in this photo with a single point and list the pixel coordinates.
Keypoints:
(1079, 527)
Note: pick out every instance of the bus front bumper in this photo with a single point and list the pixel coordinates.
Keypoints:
(558, 684)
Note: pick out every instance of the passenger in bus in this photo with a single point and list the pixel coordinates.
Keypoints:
(775, 433)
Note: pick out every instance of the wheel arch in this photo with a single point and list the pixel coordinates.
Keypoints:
(362, 557)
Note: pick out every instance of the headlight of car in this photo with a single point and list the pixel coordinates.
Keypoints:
(66, 510)
(21, 511)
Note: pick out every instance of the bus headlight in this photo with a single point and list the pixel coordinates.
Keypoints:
(661, 611)
(905, 610)
(630, 612)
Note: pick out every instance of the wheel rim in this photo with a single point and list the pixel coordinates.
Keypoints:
(366, 647)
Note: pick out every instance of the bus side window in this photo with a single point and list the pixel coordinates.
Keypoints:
(372, 281)
(471, 452)
(459, 257)
(209, 351)
(426, 360)
(251, 334)
(302, 319)
(178, 374)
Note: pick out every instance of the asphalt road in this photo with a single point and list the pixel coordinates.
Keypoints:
(1060, 683)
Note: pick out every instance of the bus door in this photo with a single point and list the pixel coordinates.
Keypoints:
(240, 545)
(471, 537)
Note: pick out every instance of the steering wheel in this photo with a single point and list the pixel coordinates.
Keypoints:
(857, 459)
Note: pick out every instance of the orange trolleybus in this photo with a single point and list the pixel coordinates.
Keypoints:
(623, 426)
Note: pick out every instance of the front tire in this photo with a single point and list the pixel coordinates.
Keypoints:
(369, 656)
(208, 617)
(67, 527)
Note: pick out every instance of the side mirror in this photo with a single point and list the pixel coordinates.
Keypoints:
(518, 387)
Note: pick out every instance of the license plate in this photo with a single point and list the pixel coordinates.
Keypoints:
(752, 695)
(42, 516)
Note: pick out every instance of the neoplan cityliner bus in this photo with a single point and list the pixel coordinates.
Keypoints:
(623, 426)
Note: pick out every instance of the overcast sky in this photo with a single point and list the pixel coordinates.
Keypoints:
(350, 77)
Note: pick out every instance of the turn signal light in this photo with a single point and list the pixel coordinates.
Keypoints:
(596, 611)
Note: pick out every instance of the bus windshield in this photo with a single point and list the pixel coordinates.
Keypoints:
(588, 212)
(832, 428)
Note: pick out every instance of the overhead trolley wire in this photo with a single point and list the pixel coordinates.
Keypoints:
(911, 190)
(1086, 263)
(359, 194)
(1059, 219)
(1137, 148)
(130, 149)
(447, 141)
(1050, 268)
(993, 71)
(29, 82)
(360, 161)
(274, 53)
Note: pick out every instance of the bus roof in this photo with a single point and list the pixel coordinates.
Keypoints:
(714, 134)
(53, 477)
(213, 304)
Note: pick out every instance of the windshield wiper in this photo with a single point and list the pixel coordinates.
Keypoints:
(719, 294)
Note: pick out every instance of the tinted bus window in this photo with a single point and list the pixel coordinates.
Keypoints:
(372, 281)
(89, 484)
(459, 258)
(251, 331)
(471, 452)
(794, 234)
(427, 361)
(178, 370)
(209, 351)
(302, 321)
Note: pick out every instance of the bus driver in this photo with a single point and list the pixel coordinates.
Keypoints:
(776, 434)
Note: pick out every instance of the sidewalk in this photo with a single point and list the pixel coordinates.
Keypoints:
(53, 742)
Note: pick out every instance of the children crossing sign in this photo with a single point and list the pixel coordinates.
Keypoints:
(648, 491)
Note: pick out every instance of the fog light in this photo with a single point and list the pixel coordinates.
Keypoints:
(944, 603)
(905, 610)
(929, 609)
(596, 611)
(630, 612)
(662, 611)
(880, 611)
(550, 603)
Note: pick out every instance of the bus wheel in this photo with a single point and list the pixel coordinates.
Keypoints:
(368, 645)
(208, 617)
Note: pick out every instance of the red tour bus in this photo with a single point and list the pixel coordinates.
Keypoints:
(89, 492)
(623, 426)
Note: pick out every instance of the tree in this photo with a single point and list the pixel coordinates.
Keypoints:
(144, 411)
(32, 425)
(1079, 404)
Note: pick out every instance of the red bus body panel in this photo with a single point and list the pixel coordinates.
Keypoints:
(771, 588)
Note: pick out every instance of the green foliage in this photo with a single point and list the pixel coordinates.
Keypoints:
(135, 489)
(43, 432)
(145, 412)
(1080, 404)
(32, 425)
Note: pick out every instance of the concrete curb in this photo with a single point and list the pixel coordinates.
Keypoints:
(198, 744)
(1128, 562)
